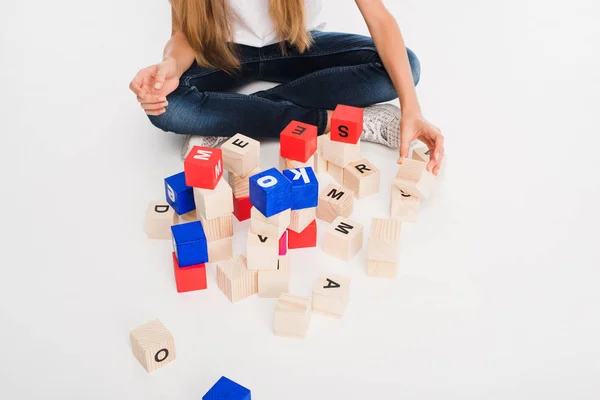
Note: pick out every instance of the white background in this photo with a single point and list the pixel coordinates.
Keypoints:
(497, 296)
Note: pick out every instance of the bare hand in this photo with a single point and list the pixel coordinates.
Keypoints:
(416, 127)
(152, 85)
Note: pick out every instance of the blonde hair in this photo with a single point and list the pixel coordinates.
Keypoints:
(206, 25)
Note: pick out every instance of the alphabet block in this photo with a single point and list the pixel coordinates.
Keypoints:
(262, 252)
(292, 316)
(271, 284)
(343, 239)
(305, 187)
(241, 208)
(298, 141)
(153, 345)
(203, 167)
(214, 203)
(270, 192)
(240, 185)
(384, 248)
(241, 155)
(159, 219)
(331, 295)
(283, 245)
(226, 389)
(189, 243)
(304, 239)
(413, 178)
(192, 216)
(220, 250)
(286, 163)
(235, 280)
(179, 195)
(421, 154)
(404, 207)
(347, 124)
(336, 172)
(320, 163)
(272, 226)
(362, 177)
(218, 228)
(188, 279)
(334, 201)
(340, 154)
(300, 219)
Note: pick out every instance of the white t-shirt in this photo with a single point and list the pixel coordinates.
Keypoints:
(253, 26)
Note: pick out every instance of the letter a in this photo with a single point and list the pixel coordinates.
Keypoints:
(331, 284)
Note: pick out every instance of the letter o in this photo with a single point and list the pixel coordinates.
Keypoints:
(157, 356)
(267, 181)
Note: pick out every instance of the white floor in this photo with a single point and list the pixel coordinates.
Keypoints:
(497, 297)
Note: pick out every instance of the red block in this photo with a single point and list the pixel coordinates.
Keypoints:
(298, 141)
(203, 167)
(190, 278)
(306, 238)
(347, 124)
(283, 244)
(241, 208)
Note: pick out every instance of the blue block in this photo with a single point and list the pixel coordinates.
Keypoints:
(179, 195)
(305, 187)
(189, 244)
(270, 192)
(226, 389)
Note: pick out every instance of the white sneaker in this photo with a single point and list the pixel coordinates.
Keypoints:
(382, 125)
(204, 141)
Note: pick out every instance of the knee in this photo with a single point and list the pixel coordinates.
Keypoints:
(415, 66)
(171, 119)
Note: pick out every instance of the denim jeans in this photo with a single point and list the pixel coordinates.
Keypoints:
(339, 68)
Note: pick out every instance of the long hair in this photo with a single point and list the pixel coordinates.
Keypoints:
(207, 27)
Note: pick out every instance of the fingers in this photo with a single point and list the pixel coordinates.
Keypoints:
(437, 153)
(152, 98)
(136, 87)
(155, 106)
(161, 75)
(156, 113)
(436, 169)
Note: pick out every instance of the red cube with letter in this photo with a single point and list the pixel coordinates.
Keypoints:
(203, 167)
(298, 141)
(347, 124)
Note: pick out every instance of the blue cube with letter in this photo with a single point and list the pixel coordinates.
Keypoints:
(189, 244)
(270, 192)
(305, 187)
(179, 195)
(226, 389)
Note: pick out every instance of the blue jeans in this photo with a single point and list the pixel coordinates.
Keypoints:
(339, 68)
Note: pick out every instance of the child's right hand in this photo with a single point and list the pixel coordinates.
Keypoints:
(152, 85)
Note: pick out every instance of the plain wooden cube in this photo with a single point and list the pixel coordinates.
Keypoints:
(241, 154)
(404, 207)
(286, 163)
(300, 219)
(292, 316)
(340, 154)
(336, 172)
(331, 295)
(191, 216)
(271, 226)
(153, 345)
(413, 178)
(343, 239)
(262, 252)
(335, 201)
(382, 269)
(362, 177)
(220, 250)
(384, 240)
(235, 280)
(217, 228)
(271, 284)
(240, 185)
(214, 203)
(159, 219)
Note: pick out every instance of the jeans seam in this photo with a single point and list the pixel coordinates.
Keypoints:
(322, 53)
(188, 78)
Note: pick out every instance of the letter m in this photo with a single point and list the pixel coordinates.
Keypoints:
(203, 155)
(334, 194)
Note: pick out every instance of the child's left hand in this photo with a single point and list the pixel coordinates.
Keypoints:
(416, 127)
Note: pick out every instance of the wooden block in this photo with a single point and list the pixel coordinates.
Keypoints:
(220, 250)
(153, 345)
(160, 216)
(218, 228)
(286, 163)
(320, 162)
(362, 177)
(262, 252)
(404, 207)
(305, 187)
(178, 194)
(240, 185)
(188, 279)
(421, 154)
(283, 244)
(235, 280)
(382, 269)
(241, 155)
(300, 219)
(192, 216)
(203, 167)
(226, 389)
(270, 192)
(347, 124)
(292, 316)
(340, 154)
(271, 284)
(336, 172)
(241, 208)
(272, 226)
(413, 178)
(343, 239)
(306, 238)
(384, 240)
(189, 244)
(298, 141)
(331, 295)
(334, 201)
(214, 203)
